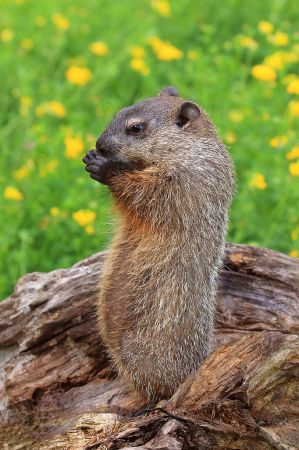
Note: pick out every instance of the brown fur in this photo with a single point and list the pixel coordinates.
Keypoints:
(172, 186)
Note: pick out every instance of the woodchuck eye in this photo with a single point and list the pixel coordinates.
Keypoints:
(136, 129)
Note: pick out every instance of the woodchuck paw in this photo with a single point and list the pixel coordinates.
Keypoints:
(97, 166)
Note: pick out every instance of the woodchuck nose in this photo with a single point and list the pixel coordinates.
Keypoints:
(173, 181)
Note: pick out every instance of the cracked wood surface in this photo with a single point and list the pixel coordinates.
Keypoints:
(53, 369)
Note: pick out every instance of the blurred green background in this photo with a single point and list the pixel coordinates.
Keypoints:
(67, 68)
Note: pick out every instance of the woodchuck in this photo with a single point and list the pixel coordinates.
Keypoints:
(173, 182)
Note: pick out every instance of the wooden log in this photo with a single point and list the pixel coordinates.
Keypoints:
(53, 369)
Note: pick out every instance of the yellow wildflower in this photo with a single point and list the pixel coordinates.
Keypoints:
(40, 110)
(294, 153)
(139, 65)
(258, 180)
(294, 107)
(25, 100)
(40, 21)
(266, 116)
(138, 52)
(57, 108)
(29, 163)
(294, 169)
(98, 48)
(54, 211)
(263, 72)
(6, 35)
(73, 145)
(89, 229)
(43, 138)
(279, 38)
(290, 57)
(84, 217)
(295, 234)
(21, 173)
(191, 54)
(294, 253)
(27, 43)
(275, 61)
(296, 47)
(293, 87)
(78, 75)
(248, 42)
(235, 115)
(51, 165)
(289, 78)
(279, 141)
(60, 22)
(164, 50)
(265, 27)
(162, 6)
(230, 137)
(13, 193)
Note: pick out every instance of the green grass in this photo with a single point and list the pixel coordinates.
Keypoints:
(219, 79)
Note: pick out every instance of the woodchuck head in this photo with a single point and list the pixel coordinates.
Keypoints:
(165, 131)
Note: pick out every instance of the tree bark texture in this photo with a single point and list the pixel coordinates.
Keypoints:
(57, 390)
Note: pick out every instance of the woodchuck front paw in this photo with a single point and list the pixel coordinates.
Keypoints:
(98, 166)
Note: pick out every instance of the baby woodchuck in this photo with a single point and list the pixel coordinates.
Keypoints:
(172, 180)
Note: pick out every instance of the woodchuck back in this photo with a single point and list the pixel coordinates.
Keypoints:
(173, 182)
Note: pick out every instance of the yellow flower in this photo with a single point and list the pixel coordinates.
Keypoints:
(73, 145)
(60, 22)
(27, 43)
(275, 61)
(290, 57)
(51, 165)
(294, 169)
(57, 108)
(294, 253)
(294, 107)
(140, 66)
(162, 6)
(293, 87)
(289, 78)
(40, 110)
(89, 229)
(294, 153)
(265, 27)
(235, 116)
(191, 54)
(40, 21)
(258, 180)
(98, 48)
(13, 193)
(279, 141)
(279, 38)
(78, 75)
(164, 50)
(54, 211)
(248, 42)
(26, 101)
(264, 73)
(230, 137)
(6, 35)
(84, 217)
(296, 47)
(266, 116)
(21, 173)
(138, 52)
(294, 234)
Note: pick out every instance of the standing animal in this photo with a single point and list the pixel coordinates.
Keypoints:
(172, 180)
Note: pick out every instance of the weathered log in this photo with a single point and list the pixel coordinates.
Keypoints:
(54, 373)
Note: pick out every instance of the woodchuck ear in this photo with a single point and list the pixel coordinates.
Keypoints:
(187, 112)
(168, 91)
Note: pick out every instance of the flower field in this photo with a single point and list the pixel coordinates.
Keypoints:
(68, 67)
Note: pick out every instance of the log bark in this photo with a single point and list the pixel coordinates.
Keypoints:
(57, 389)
